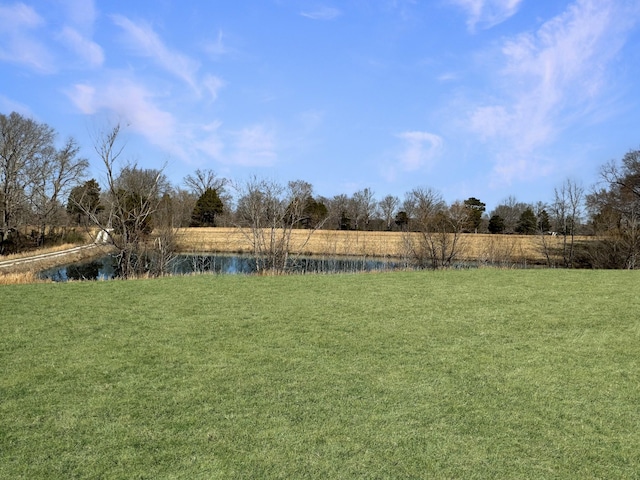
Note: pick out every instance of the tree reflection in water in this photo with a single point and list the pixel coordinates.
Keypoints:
(105, 268)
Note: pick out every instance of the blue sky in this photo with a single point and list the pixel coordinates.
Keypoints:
(484, 98)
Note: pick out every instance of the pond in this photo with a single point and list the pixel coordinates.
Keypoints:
(105, 268)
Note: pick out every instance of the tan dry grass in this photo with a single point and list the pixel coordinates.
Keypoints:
(484, 247)
(31, 253)
(321, 242)
(21, 278)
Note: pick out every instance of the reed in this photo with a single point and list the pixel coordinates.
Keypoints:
(21, 278)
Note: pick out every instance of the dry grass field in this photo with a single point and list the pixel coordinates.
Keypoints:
(484, 247)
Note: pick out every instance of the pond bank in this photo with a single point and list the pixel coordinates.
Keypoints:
(41, 260)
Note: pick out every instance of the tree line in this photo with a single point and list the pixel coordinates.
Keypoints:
(45, 196)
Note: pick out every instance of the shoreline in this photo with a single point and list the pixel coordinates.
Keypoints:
(472, 247)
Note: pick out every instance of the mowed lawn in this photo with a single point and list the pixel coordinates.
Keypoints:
(451, 374)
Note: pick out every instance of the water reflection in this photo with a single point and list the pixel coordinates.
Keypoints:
(84, 271)
(104, 268)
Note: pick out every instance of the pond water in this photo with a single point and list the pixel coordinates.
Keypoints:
(105, 268)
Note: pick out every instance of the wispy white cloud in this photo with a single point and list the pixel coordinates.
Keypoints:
(7, 105)
(210, 141)
(77, 34)
(81, 13)
(420, 149)
(145, 42)
(322, 13)
(90, 52)
(403, 8)
(19, 43)
(19, 16)
(25, 36)
(447, 77)
(123, 97)
(549, 78)
(83, 96)
(218, 47)
(133, 103)
(487, 13)
(213, 84)
(254, 146)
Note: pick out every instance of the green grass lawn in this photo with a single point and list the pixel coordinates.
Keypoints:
(455, 374)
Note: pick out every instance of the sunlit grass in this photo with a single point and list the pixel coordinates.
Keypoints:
(455, 374)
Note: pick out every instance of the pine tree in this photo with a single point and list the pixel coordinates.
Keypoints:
(496, 224)
(527, 223)
(207, 208)
(475, 208)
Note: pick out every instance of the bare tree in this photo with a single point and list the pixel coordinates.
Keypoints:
(132, 197)
(510, 211)
(24, 143)
(165, 225)
(540, 211)
(615, 213)
(436, 242)
(388, 206)
(567, 209)
(182, 205)
(203, 180)
(408, 205)
(268, 213)
(52, 180)
(338, 212)
(442, 235)
(362, 208)
(425, 203)
(625, 177)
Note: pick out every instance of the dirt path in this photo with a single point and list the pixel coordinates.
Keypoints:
(44, 260)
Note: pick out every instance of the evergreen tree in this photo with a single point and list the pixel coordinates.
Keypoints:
(496, 224)
(544, 223)
(345, 221)
(527, 223)
(84, 201)
(474, 208)
(315, 213)
(402, 220)
(207, 208)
